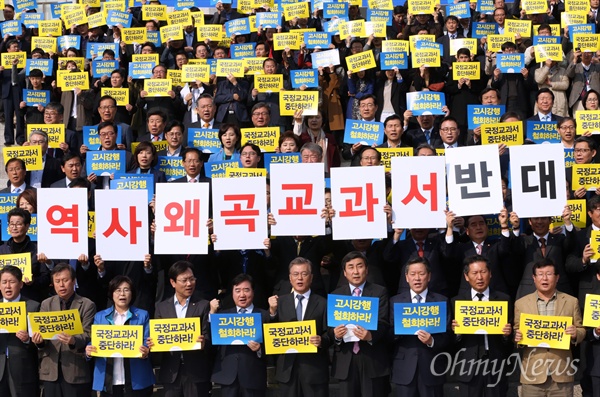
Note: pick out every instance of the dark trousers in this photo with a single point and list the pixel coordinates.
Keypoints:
(11, 388)
(358, 384)
(485, 386)
(298, 386)
(184, 387)
(61, 388)
(121, 391)
(236, 390)
(420, 389)
(12, 108)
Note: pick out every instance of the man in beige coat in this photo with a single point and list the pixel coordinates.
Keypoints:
(548, 372)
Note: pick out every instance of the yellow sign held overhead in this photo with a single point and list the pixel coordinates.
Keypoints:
(591, 311)
(121, 95)
(268, 82)
(31, 155)
(158, 87)
(171, 32)
(70, 81)
(195, 73)
(361, 61)
(55, 132)
(9, 57)
(281, 41)
(154, 11)
(466, 70)
(291, 101)
(548, 51)
(22, 261)
(429, 57)
(509, 134)
(267, 138)
(227, 66)
(134, 35)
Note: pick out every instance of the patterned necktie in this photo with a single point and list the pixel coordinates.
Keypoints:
(428, 136)
(242, 310)
(420, 249)
(155, 138)
(478, 249)
(542, 242)
(205, 125)
(17, 190)
(193, 180)
(356, 347)
(418, 298)
(299, 307)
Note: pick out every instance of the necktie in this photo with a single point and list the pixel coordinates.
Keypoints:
(205, 125)
(17, 190)
(155, 138)
(193, 180)
(418, 298)
(452, 36)
(479, 296)
(242, 311)
(542, 242)
(356, 347)
(299, 307)
(478, 249)
(298, 247)
(427, 136)
(420, 250)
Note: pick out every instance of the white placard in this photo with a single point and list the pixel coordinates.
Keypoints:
(62, 223)
(419, 186)
(325, 58)
(181, 215)
(240, 213)
(297, 199)
(358, 198)
(538, 180)
(474, 181)
(122, 224)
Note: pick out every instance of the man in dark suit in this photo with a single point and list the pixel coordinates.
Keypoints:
(303, 374)
(392, 127)
(64, 369)
(202, 115)
(156, 122)
(54, 114)
(174, 136)
(193, 163)
(187, 373)
(241, 370)
(545, 102)
(488, 348)
(591, 377)
(425, 133)
(414, 354)
(452, 33)
(71, 167)
(527, 250)
(18, 357)
(361, 365)
(52, 171)
(16, 172)
(11, 97)
(449, 134)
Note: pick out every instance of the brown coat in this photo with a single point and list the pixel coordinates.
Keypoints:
(332, 102)
(85, 107)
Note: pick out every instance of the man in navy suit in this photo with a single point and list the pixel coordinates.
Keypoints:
(303, 374)
(361, 366)
(545, 102)
(241, 370)
(193, 163)
(414, 370)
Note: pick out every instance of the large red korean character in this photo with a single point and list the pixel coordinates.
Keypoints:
(294, 205)
(115, 225)
(415, 193)
(67, 222)
(189, 211)
(354, 206)
(247, 215)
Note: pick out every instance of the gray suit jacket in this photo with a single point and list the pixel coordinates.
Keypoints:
(575, 73)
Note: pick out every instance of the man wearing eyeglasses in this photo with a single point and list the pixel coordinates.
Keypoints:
(449, 133)
(185, 373)
(202, 115)
(51, 171)
(584, 152)
(193, 163)
(368, 109)
(107, 108)
(302, 374)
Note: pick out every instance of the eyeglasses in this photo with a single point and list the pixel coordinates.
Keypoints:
(367, 105)
(103, 108)
(174, 133)
(190, 280)
(545, 275)
(51, 113)
(37, 142)
(592, 100)
(16, 224)
(567, 127)
(123, 291)
(263, 114)
(310, 157)
(582, 150)
(298, 274)
(105, 134)
(15, 169)
(449, 129)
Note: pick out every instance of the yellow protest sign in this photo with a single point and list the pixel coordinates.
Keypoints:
(9, 57)
(22, 261)
(290, 101)
(134, 35)
(517, 26)
(457, 44)
(548, 51)
(268, 82)
(31, 155)
(588, 121)
(183, 17)
(70, 81)
(467, 70)
(291, 337)
(195, 73)
(478, 317)
(395, 46)
(495, 41)
(354, 28)
(577, 6)
(296, 10)
(245, 172)
(145, 58)
(361, 61)
(13, 317)
(535, 6)
(52, 27)
(91, 3)
(227, 66)
(96, 20)
(48, 44)
(545, 331)
(586, 176)
(70, 7)
(117, 340)
(378, 29)
(429, 57)
(414, 39)
(113, 5)
(79, 61)
(175, 76)
(211, 32)
(554, 27)
(267, 138)
(509, 134)
(91, 224)
(175, 334)
(420, 7)
(171, 32)
(55, 132)
(591, 311)
(198, 17)
(281, 41)
(152, 11)
(159, 145)
(76, 17)
(121, 95)
(388, 153)
(578, 214)
(50, 324)
(158, 87)
(254, 65)
(586, 42)
(381, 4)
(572, 18)
(595, 245)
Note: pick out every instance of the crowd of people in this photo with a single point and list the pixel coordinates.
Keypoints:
(536, 267)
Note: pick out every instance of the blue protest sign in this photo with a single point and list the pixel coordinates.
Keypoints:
(317, 39)
(95, 50)
(45, 65)
(343, 310)
(586, 28)
(482, 29)
(459, 10)
(422, 45)
(134, 182)
(8, 201)
(36, 97)
(569, 158)
(11, 28)
(280, 158)
(91, 139)
(104, 68)
(31, 232)
(141, 70)
(543, 132)
(268, 19)
(55, 9)
(485, 6)
(24, 5)
(114, 18)
(380, 15)
(66, 42)
(366, 132)
(541, 40)
(237, 26)
(484, 114)
(204, 138)
(412, 317)
(331, 10)
(510, 63)
(391, 60)
(235, 329)
(307, 77)
(218, 169)
(425, 103)
(244, 50)
(105, 162)
(154, 37)
(172, 166)
(31, 19)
